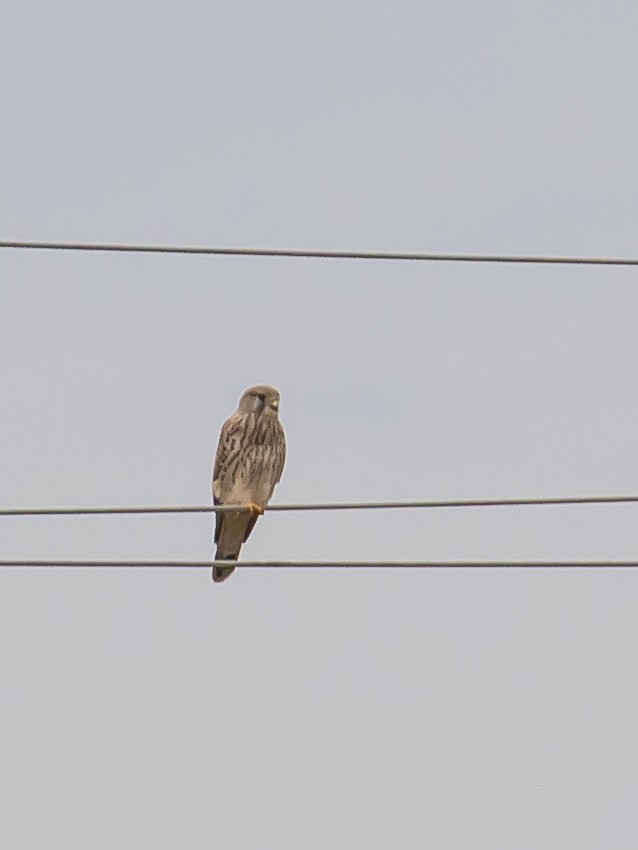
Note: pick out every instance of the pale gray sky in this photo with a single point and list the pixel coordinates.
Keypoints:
(320, 709)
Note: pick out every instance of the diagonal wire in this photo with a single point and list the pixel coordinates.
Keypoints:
(316, 254)
(415, 565)
(327, 506)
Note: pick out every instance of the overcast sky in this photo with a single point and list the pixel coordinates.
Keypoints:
(448, 710)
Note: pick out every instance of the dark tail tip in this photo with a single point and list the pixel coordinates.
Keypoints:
(222, 573)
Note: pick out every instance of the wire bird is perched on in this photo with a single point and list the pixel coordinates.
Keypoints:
(248, 464)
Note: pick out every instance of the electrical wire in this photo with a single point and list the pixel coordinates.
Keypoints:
(316, 254)
(327, 506)
(401, 565)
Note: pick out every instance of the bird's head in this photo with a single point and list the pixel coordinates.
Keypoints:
(260, 399)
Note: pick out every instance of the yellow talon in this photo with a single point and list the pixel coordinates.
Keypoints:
(255, 509)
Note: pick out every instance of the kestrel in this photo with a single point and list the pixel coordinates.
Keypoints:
(248, 464)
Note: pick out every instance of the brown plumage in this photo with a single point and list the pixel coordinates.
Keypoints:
(248, 464)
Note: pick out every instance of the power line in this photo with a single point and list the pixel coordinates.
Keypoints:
(327, 506)
(177, 509)
(311, 254)
(415, 565)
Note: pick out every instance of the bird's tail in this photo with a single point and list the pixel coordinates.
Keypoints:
(223, 554)
(227, 550)
(222, 573)
(230, 536)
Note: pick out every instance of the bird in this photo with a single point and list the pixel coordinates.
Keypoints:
(249, 462)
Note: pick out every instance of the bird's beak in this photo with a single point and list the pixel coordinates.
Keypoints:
(275, 403)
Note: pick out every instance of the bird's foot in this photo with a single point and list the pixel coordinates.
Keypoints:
(255, 509)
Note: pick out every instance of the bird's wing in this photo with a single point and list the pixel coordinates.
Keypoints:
(280, 455)
(225, 467)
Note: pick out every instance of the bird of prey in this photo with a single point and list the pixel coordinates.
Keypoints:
(248, 464)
